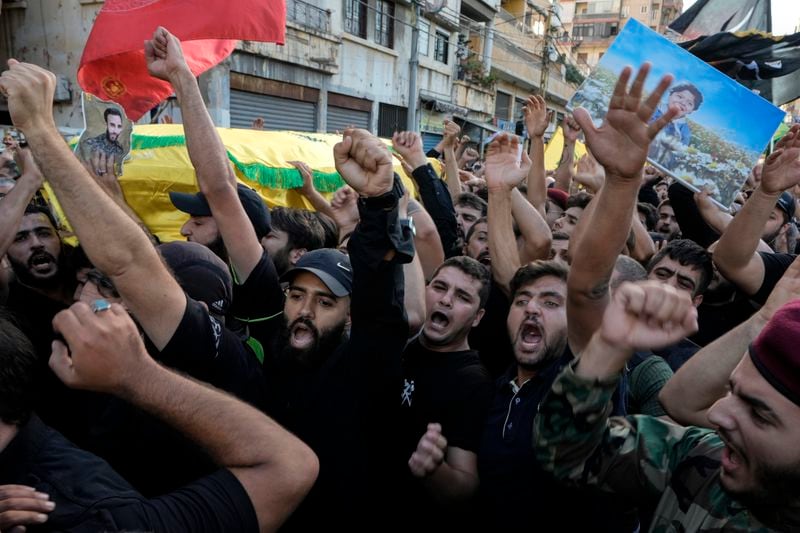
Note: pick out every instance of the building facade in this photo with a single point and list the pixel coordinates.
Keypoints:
(590, 26)
(345, 62)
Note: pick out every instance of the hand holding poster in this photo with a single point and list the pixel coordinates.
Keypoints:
(720, 127)
(106, 140)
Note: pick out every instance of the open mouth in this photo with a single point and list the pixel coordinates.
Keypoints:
(302, 335)
(438, 321)
(530, 336)
(485, 259)
(41, 262)
(732, 458)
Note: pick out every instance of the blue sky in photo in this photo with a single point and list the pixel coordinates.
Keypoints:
(728, 107)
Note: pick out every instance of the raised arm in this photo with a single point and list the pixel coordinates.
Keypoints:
(107, 355)
(573, 435)
(703, 379)
(13, 204)
(318, 202)
(565, 170)
(735, 255)
(215, 176)
(536, 120)
(449, 143)
(111, 240)
(432, 190)
(620, 145)
(536, 235)
(503, 173)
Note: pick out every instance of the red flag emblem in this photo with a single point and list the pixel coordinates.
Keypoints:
(113, 66)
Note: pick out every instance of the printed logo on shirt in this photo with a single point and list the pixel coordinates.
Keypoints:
(216, 329)
(218, 306)
(408, 392)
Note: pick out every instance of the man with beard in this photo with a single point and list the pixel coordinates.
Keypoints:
(42, 284)
(510, 477)
(108, 141)
(332, 390)
(742, 476)
(446, 392)
(667, 224)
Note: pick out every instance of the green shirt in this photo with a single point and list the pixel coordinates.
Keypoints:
(646, 459)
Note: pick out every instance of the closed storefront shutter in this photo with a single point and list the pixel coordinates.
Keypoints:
(340, 118)
(278, 113)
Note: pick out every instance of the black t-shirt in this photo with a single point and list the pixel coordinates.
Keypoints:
(490, 337)
(35, 313)
(258, 301)
(716, 319)
(449, 388)
(90, 496)
(150, 454)
(775, 265)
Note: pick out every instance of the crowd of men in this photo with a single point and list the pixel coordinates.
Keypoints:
(593, 349)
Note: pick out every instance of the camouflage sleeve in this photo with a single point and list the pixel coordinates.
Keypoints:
(575, 439)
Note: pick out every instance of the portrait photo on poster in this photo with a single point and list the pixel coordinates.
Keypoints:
(720, 129)
(106, 139)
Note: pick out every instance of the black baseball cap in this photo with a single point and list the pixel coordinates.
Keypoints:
(197, 205)
(329, 265)
(786, 204)
(200, 273)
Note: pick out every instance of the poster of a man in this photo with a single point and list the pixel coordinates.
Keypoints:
(107, 135)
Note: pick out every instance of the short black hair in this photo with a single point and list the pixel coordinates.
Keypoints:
(529, 273)
(32, 209)
(650, 215)
(111, 111)
(686, 86)
(580, 199)
(473, 269)
(18, 369)
(687, 253)
(302, 227)
(629, 269)
(329, 229)
(472, 229)
(473, 201)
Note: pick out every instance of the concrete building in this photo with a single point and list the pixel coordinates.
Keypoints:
(344, 62)
(590, 25)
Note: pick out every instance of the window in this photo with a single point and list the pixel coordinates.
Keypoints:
(625, 12)
(644, 9)
(502, 105)
(583, 57)
(424, 36)
(442, 48)
(384, 23)
(355, 17)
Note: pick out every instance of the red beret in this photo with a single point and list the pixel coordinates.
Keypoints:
(558, 196)
(775, 351)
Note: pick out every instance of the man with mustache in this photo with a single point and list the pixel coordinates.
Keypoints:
(333, 389)
(41, 284)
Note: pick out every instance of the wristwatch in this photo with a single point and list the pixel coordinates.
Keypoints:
(408, 223)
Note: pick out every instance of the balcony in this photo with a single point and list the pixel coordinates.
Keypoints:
(308, 16)
(604, 16)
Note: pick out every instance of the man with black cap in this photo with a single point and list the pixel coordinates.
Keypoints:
(743, 476)
(228, 217)
(770, 205)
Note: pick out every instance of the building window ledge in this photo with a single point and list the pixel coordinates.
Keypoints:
(369, 44)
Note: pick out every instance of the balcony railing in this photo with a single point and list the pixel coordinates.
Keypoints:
(308, 15)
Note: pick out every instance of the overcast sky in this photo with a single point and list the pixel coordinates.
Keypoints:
(785, 15)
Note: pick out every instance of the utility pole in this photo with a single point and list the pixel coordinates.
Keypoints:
(546, 53)
(413, 68)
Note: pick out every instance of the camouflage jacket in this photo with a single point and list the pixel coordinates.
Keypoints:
(648, 460)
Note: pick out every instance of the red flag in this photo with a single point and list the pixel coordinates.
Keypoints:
(113, 66)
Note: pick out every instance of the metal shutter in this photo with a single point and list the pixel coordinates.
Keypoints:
(278, 113)
(339, 118)
(430, 140)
